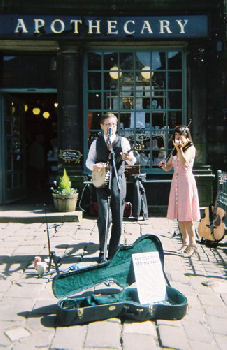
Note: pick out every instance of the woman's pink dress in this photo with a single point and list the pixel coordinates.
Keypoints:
(183, 197)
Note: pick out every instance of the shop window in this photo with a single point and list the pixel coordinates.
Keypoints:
(23, 71)
(145, 89)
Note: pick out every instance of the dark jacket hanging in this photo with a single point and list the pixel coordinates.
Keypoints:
(139, 204)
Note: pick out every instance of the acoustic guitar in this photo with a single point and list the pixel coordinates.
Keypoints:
(212, 227)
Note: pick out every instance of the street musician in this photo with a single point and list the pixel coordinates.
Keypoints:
(107, 155)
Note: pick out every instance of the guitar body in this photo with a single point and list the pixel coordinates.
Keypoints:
(212, 227)
(219, 226)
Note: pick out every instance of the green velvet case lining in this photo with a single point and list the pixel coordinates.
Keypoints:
(118, 270)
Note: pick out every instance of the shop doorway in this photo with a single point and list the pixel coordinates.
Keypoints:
(30, 145)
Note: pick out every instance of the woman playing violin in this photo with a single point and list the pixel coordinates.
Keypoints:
(183, 197)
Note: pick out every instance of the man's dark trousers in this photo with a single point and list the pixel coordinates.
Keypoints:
(117, 205)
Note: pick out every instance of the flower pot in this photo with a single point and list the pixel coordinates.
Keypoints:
(65, 202)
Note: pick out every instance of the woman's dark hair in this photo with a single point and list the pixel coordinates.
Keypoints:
(182, 130)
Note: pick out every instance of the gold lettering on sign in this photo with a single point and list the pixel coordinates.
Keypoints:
(181, 25)
(164, 25)
(126, 27)
(95, 26)
(75, 23)
(62, 26)
(146, 25)
(20, 28)
(111, 25)
(38, 23)
(117, 26)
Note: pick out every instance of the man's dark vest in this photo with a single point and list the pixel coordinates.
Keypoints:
(103, 153)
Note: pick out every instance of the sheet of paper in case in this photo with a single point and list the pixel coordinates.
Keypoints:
(150, 280)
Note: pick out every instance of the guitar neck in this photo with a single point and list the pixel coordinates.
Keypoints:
(220, 181)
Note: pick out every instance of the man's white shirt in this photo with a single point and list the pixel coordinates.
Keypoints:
(92, 154)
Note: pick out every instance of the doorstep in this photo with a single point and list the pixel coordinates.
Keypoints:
(36, 214)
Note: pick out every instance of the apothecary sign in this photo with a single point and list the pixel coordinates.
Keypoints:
(77, 27)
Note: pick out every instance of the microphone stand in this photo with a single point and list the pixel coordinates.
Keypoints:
(51, 254)
(107, 216)
(112, 167)
(113, 162)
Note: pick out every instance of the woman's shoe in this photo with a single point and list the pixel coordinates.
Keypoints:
(191, 250)
(182, 249)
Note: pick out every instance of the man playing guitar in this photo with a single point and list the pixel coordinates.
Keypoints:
(100, 154)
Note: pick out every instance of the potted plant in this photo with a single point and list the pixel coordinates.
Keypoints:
(64, 196)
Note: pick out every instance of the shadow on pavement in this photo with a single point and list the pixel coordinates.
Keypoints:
(77, 253)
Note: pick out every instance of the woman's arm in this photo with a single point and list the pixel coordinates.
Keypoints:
(168, 166)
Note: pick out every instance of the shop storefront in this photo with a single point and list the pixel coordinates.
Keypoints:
(60, 73)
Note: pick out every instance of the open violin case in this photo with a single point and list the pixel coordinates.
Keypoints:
(74, 308)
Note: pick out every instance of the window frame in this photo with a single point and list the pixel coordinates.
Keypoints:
(151, 169)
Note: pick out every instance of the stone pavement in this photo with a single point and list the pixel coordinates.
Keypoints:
(28, 306)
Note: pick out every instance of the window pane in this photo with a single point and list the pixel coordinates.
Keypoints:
(159, 80)
(94, 60)
(94, 100)
(110, 60)
(125, 119)
(175, 80)
(158, 119)
(29, 71)
(143, 59)
(126, 91)
(175, 100)
(94, 120)
(158, 60)
(127, 78)
(158, 156)
(94, 81)
(159, 99)
(127, 102)
(174, 118)
(111, 100)
(110, 83)
(174, 60)
(126, 61)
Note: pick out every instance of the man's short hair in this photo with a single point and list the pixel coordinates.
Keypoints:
(106, 116)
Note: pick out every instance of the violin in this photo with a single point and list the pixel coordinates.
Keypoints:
(184, 145)
(180, 143)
